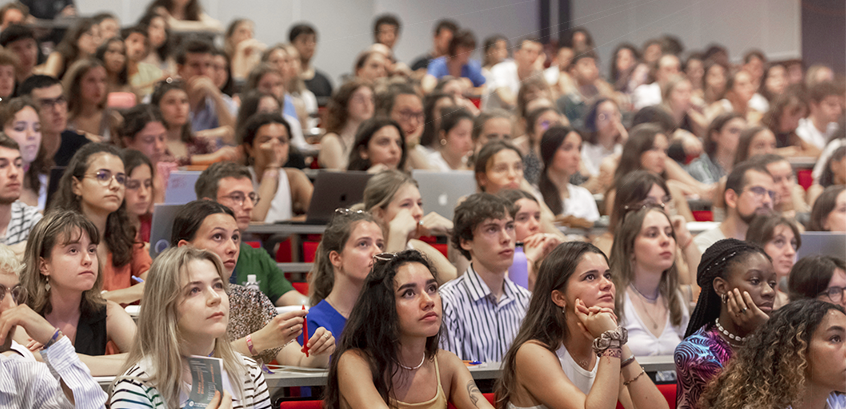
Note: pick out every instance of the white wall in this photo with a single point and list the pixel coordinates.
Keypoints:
(344, 26)
(774, 26)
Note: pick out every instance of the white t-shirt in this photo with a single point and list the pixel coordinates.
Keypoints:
(580, 204)
(592, 156)
(824, 156)
(707, 238)
(646, 95)
(759, 103)
(504, 75)
(642, 342)
(810, 134)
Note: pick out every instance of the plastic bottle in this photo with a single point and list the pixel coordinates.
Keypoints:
(251, 282)
(519, 270)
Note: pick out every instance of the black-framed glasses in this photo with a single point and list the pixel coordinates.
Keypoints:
(239, 198)
(105, 177)
(835, 294)
(18, 293)
(49, 103)
(761, 191)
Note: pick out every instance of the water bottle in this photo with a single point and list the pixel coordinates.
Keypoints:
(519, 270)
(251, 282)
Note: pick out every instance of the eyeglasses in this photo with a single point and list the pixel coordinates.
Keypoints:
(761, 191)
(105, 177)
(239, 198)
(384, 257)
(18, 293)
(135, 184)
(47, 103)
(835, 294)
(409, 115)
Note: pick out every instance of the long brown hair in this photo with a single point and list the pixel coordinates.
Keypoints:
(67, 226)
(322, 277)
(623, 273)
(544, 322)
(42, 163)
(337, 113)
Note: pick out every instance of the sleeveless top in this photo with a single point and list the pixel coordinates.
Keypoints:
(91, 337)
(580, 377)
(281, 207)
(439, 401)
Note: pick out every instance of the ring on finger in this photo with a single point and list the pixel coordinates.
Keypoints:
(744, 310)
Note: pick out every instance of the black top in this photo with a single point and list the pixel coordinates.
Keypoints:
(91, 337)
(421, 63)
(46, 9)
(319, 85)
(71, 142)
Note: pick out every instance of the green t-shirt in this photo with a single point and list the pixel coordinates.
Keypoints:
(272, 281)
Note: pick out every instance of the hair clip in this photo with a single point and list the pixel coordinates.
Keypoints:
(384, 257)
(346, 211)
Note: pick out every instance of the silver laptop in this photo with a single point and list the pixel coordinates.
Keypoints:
(818, 243)
(162, 226)
(333, 190)
(441, 190)
(180, 186)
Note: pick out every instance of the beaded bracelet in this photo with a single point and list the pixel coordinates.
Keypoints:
(53, 339)
(635, 378)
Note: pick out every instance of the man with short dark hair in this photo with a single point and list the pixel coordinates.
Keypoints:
(750, 191)
(231, 185)
(20, 40)
(825, 108)
(57, 141)
(142, 76)
(444, 30)
(386, 30)
(508, 75)
(209, 110)
(483, 308)
(16, 218)
(304, 38)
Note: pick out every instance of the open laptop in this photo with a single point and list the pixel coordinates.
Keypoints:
(441, 190)
(334, 190)
(180, 186)
(162, 226)
(819, 243)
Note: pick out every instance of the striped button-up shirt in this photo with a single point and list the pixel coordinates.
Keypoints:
(25, 383)
(476, 326)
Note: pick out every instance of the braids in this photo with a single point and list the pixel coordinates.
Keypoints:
(715, 262)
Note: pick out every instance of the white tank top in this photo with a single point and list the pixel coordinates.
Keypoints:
(579, 376)
(281, 207)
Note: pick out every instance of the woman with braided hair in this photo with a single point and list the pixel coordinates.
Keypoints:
(738, 290)
(797, 360)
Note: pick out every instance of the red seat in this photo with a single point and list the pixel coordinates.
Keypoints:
(804, 177)
(666, 389)
(703, 215)
(301, 287)
(488, 396)
(303, 404)
(283, 253)
(253, 244)
(309, 250)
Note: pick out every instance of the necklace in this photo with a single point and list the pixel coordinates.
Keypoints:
(729, 334)
(650, 300)
(409, 368)
(643, 304)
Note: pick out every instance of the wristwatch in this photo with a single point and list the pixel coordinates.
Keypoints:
(610, 339)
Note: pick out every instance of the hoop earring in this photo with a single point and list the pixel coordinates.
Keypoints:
(443, 142)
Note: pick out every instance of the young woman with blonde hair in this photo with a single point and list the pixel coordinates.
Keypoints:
(185, 313)
(393, 198)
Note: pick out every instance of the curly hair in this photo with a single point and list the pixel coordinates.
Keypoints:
(770, 371)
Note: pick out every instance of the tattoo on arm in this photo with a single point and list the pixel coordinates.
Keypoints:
(613, 353)
(472, 390)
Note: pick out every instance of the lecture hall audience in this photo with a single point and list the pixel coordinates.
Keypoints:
(664, 167)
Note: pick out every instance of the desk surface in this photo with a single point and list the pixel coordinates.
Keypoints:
(293, 376)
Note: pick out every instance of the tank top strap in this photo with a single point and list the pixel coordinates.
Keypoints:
(439, 401)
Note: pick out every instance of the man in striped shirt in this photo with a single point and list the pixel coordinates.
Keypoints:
(16, 218)
(483, 309)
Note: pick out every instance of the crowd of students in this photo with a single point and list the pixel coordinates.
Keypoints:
(392, 317)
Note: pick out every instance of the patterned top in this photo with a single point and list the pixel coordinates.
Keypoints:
(23, 219)
(133, 391)
(532, 167)
(476, 326)
(705, 170)
(699, 358)
(249, 311)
